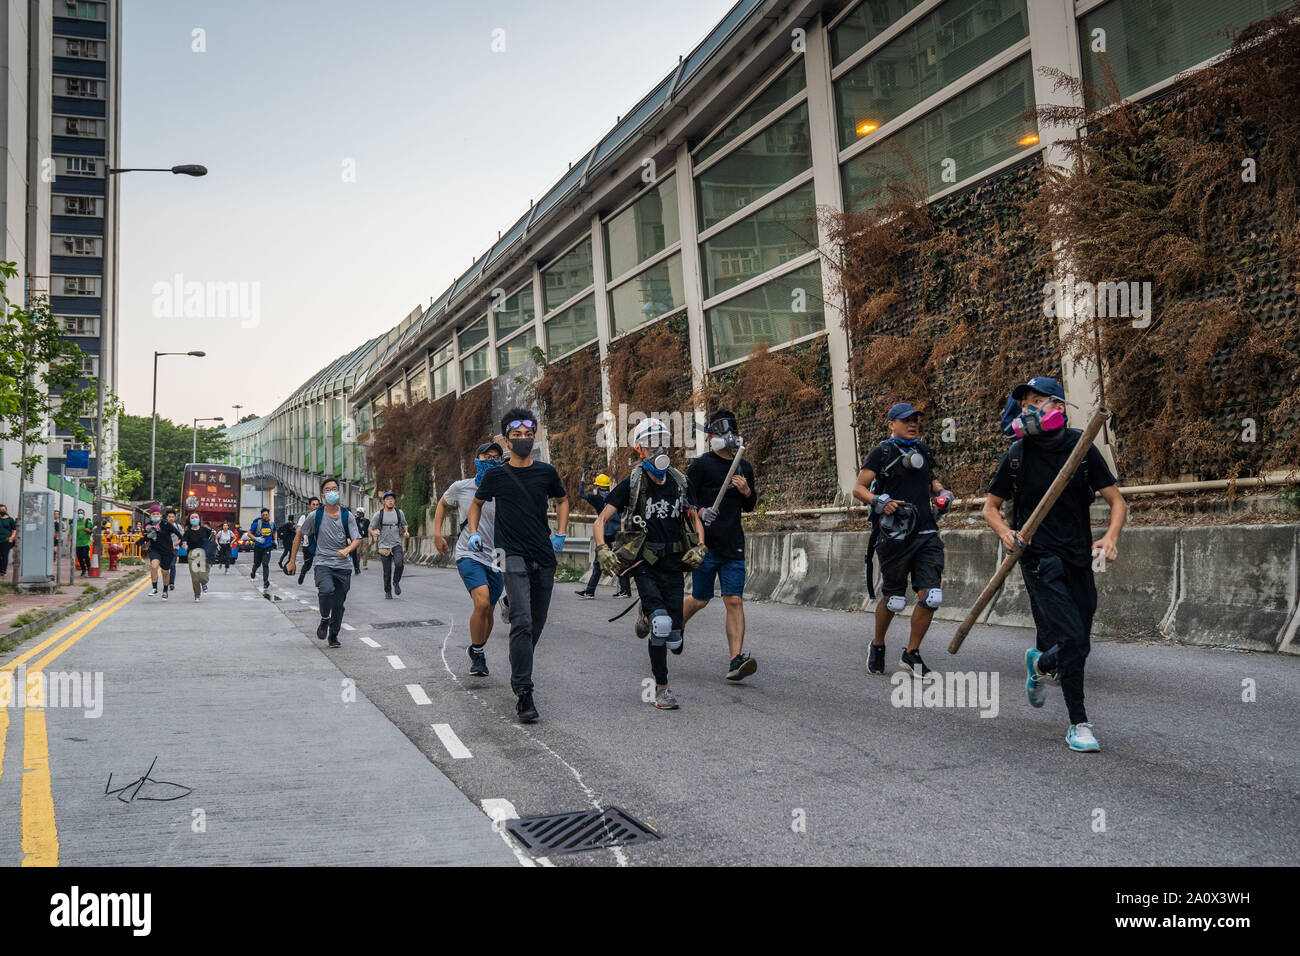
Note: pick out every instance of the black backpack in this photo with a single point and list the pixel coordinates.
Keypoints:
(1016, 458)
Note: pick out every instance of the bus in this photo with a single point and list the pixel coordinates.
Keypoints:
(212, 491)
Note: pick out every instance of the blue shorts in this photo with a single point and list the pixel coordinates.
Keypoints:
(475, 574)
(730, 572)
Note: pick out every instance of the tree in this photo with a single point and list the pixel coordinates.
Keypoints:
(248, 418)
(173, 453)
(40, 383)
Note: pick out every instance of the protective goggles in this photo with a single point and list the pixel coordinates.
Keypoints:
(521, 423)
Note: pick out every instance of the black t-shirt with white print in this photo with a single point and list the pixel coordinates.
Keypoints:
(663, 517)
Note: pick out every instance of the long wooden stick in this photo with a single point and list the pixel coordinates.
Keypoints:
(726, 482)
(1027, 531)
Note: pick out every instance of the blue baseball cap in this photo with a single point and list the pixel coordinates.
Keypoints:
(1043, 386)
(901, 410)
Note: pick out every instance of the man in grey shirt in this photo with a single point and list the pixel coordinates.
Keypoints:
(389, 528)
(336, 539)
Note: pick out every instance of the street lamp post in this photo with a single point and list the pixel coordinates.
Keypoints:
(153, 430)
(194, 449)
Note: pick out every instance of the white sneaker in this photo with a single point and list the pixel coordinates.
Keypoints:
(1080, 738)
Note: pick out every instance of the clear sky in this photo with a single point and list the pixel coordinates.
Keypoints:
(445, 142)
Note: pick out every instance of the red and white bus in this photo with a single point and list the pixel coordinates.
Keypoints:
(212, 491)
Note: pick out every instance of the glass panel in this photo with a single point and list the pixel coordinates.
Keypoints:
(419, 386)
(1151, 40)
(321, 463)
(515, 312)
(780, 311)
(570, 274)
(975, 130)
(633, 120)
(442, 355)
(473, 335)
(516, 352)
(773, 157)
(647, 226)
(442, 380)
(574, 326)
(782, 88)
(474, 369)
(867, 21)
(717, 36)
(780, 231)
(940, 48)
(654, 292)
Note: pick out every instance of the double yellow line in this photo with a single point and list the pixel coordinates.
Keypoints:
(40, 836)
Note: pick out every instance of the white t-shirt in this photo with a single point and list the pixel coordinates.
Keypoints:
(460, 494)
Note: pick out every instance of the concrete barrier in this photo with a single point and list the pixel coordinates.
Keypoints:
(845, 588)
(970, 559)
(1136, 594)
(766, 562)
(808, 569)
(1236, 585)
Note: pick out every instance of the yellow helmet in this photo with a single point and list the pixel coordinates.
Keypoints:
(603, 481)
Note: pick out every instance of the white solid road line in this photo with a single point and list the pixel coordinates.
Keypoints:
(417, 694)
(396, 662)
(500, 811)
(449, 740)
(367, 641)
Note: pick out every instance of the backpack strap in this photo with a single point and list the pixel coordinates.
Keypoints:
(634, 501)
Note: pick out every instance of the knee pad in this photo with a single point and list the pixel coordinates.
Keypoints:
(933, 598)
(895, 603)
(661, 625)
(675, 640)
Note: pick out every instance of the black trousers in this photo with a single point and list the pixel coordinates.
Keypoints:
(528, 586)
(660, 589)
(393, 565)
(5, 547)
(332, 587)
(306, 564)
(83, 558)
(262, 559)
(284, 554)
(1063, 599)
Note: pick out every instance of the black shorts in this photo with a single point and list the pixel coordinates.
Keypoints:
(921, 557)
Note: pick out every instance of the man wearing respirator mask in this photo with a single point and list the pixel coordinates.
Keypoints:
(897, 481)
(1057, 564)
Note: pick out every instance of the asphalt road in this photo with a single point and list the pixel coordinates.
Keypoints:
(811, 762)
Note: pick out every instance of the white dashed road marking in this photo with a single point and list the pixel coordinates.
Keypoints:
(417, 694)
(367, 641)
(348, 627)
(449, 740)
(396, 662)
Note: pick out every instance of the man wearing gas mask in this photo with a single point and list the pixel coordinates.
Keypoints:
(897, 480)
(658, 539)
(724, 538)
(1057, 563)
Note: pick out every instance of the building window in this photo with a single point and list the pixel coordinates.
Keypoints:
(957, 37)
(568, 276)
(784, 88)
(867, 21)
(643, 229)
(80, 126)
(79, 86)
(647, 296)
(780, 231)
(79, 48)
(417, 386)
(514, 313)
(80, 325)
(442, 379)
(1148, 41)
(772, 157)
(787, 308)
(517, 351)
(82, 206)
(81, 245)
(974, 130)
(90, 365)
(574, 327)
(81, 285)
(474, 334)
(81, 166)
(82, 10)
(474, 369)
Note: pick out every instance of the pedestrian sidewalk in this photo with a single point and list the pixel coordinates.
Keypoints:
(34, 605)
(288, 762)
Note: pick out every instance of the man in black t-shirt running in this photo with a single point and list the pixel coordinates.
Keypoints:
(521, 488)
(897, 480)
(1057, 565)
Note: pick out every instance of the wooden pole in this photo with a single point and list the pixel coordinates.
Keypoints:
(1027, 531)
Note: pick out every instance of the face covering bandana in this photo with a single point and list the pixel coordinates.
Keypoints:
(481, 468)
(331, 497)
(1034, 421)
(523, 447)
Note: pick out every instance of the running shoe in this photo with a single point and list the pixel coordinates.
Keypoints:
(876, 659)
(642, 625)
(322, 629)
(911, 660)
(196, 599)
(334, 641)
(1034, 681)
(622, 594)
(525, 709)
(477, 662)
(154, 592)
(586, 595)
(397, 588)
(1081, 739)
(165, 594)
(665, 700)
(742, 665)
(388, 595)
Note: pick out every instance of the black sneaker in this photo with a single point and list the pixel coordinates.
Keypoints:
(477, 662)
(164, 594)
(334, 641)
(323, 629)
(525, 710)
(397, 588)
(588, 595)
(912, 661)
(388, 595)
(876, 659)
(154, 592)
(742, 665)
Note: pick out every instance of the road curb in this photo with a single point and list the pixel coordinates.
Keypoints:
(18, 636)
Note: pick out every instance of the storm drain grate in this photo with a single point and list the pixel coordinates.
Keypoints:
(581, 830)
(387, 624)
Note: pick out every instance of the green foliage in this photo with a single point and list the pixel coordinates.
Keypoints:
(415, 493)
(23, 619)
(173, 453)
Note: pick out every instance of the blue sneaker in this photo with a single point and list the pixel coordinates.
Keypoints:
(1034, 682)
(1081, 739)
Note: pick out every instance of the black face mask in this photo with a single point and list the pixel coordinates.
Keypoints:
(523, 447)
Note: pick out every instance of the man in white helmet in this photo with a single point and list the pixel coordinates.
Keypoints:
(658, 541)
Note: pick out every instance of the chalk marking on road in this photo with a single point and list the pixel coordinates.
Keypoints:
(368, 642)
(619, 855)
(417, 694)
(396, 662)
(499, 811)
(301, 601)
(348, 627)
(453, 743)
